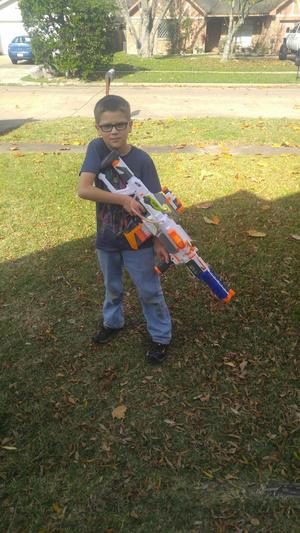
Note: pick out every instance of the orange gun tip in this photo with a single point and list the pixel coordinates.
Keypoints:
(229, 296)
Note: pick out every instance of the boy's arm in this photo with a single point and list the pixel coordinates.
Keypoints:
(88, 191)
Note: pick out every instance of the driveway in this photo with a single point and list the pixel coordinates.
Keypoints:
(10, 73)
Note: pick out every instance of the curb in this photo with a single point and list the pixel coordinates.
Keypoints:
(146, 84)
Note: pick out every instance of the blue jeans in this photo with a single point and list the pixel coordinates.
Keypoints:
(140, 267)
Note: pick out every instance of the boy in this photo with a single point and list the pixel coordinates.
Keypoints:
(113, 212)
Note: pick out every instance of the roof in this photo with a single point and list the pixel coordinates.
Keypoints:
(221, 7)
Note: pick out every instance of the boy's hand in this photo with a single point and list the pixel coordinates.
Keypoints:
(132, 206)
(160, 251)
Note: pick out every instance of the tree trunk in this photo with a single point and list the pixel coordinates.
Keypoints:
(236, 20)
(145, 34)
(146, 25)
(230, 36)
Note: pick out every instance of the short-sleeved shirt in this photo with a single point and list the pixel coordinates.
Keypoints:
(113, 219)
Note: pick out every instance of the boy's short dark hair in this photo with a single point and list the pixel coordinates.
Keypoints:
(111, 103)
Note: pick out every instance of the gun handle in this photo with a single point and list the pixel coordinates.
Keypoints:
(162, 267)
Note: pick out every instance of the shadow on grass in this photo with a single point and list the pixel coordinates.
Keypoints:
(201, 434)
(6, 126)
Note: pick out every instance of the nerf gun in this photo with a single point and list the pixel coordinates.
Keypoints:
(157, 222)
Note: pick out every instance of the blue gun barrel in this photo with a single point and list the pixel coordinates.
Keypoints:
(212, 281)
(216, 286)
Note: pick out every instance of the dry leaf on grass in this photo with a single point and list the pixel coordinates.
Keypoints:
(254, 233)
(296, 237)
(119, 412)
(213, 220)
(205, 205)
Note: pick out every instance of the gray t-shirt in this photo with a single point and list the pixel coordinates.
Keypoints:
(113, 219)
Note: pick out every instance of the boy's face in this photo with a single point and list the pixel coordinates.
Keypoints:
(114, 128)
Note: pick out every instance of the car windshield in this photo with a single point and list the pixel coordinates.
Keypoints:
(22, 39)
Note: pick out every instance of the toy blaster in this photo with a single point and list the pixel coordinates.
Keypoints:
(157, 221)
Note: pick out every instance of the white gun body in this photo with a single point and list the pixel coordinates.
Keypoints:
(158, 222)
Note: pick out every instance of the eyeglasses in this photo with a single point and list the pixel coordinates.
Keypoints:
(119, 126)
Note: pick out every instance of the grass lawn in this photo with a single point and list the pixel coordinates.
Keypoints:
(202, 63)
(79, 131)
(197, 69)
(202, 69)
(205, 437)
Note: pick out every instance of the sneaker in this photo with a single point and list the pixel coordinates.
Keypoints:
(157, 353)
(105, 334)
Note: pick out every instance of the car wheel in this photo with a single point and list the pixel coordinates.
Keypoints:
(283, 51)
(14, 61)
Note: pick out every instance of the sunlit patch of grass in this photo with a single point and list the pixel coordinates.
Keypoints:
(208, 130)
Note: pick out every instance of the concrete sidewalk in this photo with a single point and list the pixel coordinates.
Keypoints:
(211, 149)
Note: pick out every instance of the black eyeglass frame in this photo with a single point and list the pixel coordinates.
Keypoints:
(119, 126)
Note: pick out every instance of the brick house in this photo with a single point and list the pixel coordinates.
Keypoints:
(202, 26)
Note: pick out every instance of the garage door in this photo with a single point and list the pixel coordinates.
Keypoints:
(9, 30)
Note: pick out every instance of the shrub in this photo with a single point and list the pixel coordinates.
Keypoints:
(76, 39)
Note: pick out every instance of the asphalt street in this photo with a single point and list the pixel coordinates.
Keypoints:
(22, 102)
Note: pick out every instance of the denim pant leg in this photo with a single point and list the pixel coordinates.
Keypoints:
(111, 264)
(140, 267)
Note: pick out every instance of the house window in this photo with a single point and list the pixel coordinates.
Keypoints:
(244, 35)
(167, 29)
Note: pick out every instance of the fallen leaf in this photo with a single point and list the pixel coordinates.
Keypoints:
(296, 237)
(214, 220)
(206, 205)
(119, 412)
(254, 233)
(208, 474)
(56, 508)
(8, 448)
(71, 400)
(170, 422)
(243, 365)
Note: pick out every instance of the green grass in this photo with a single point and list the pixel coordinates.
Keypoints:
(196, 69)
(204, 434)
(202, 63)
(79, 131)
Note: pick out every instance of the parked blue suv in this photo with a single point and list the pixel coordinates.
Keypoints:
(20, 48)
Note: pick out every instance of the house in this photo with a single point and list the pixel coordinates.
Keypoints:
(202, 26)
(191, 26)
(263, 30)
(11, 23)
